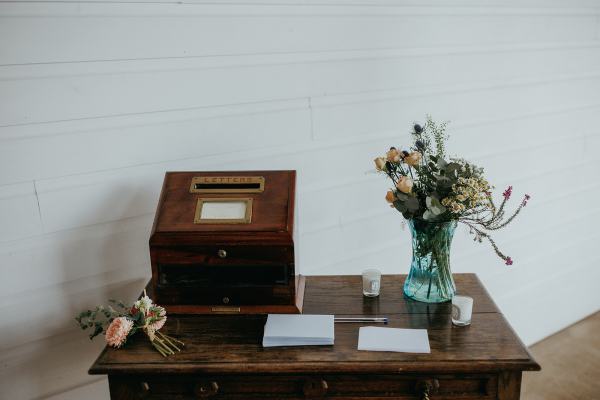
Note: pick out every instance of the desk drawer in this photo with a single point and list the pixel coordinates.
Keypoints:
(346, 386)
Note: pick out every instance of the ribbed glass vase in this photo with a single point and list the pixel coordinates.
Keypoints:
(430, 278)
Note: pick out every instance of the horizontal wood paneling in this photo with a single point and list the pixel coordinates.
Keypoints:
(189, 30)
(99, 99)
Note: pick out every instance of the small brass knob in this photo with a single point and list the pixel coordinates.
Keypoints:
(427, 387)
(145, 390)
(222, 253)
(206, 389)
(315, 387)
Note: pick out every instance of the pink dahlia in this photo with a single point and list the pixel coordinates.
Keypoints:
(117, 331)
(161, 317)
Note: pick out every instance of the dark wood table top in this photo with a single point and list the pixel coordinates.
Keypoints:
(232, 344)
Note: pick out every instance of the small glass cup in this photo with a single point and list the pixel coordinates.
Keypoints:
(371, 282)
(462, 308)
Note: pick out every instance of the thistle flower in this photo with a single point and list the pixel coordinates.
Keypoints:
(117, 332)
(509, 261)
(507, 193)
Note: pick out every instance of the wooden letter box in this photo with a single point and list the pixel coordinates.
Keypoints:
(223, 242)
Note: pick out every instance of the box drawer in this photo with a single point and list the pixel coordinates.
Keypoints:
(405, 387)
(223, 255)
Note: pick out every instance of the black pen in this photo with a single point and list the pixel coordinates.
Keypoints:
(382, 320)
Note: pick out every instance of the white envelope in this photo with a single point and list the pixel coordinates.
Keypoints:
(373, 338)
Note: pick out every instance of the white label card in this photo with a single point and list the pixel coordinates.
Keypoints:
(223, 210)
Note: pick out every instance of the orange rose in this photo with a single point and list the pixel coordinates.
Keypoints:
(404, 184)
(390, 197)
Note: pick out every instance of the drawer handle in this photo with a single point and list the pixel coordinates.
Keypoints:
(427, 387)
(222, 253)
(207, 389)
(315, 388)
(145, 390)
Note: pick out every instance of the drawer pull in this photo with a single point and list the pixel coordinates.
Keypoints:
(206, 389)
(315, 388)
(427, 387)
(145, 390)
(222, 253)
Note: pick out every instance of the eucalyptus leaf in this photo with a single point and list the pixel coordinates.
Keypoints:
(400, 206)
(428, 216)
(412, 204)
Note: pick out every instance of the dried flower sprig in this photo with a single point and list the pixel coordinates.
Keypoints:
(430, 188)
(120, 322)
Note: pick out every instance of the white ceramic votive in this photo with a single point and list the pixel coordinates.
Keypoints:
(462, 308)
(371, 282)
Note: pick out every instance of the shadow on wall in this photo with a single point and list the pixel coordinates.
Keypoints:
(107, 261)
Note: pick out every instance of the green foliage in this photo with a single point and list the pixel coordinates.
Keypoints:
(443, 189)
(100, 317)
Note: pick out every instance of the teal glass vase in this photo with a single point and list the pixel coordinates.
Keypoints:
(430, 278)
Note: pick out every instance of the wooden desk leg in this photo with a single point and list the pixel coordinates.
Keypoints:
(509, 385)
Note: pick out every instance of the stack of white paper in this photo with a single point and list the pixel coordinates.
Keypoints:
(298, 330)
(393, 339)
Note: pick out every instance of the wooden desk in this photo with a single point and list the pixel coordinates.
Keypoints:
(224, 359)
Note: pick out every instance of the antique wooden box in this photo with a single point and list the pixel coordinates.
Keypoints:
(223, 242)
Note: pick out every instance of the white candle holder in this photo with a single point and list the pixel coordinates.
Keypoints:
(371, 282)
(462, 308)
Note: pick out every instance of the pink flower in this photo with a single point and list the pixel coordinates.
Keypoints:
(160, 313)
(509, 261)
(507, 193)
(117, 331)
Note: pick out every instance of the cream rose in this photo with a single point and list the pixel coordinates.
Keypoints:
(413, 158)
(393, 155)
(404, 184)
(380, 163)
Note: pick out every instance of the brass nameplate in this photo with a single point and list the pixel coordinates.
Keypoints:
(227, 184)
(218, 210)
(226, 309)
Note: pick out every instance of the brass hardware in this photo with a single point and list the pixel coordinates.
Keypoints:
(427, 387)
(315, 387)
(227, 184)
(245, 220)
(145, 388)
(226, 310)
(225, 300)
(222, 253)
(206, 389)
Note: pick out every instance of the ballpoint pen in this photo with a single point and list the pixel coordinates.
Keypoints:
(383, 320)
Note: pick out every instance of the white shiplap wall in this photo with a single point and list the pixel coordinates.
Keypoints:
(99, 99)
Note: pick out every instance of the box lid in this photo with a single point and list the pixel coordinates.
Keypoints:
(271, 207)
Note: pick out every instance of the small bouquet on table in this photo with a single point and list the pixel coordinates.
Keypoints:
(120, 322)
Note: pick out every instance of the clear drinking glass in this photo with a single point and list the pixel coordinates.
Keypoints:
(371, 282)
(462, 308)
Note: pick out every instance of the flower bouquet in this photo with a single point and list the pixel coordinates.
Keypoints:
(434, 193)
(119, 322)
